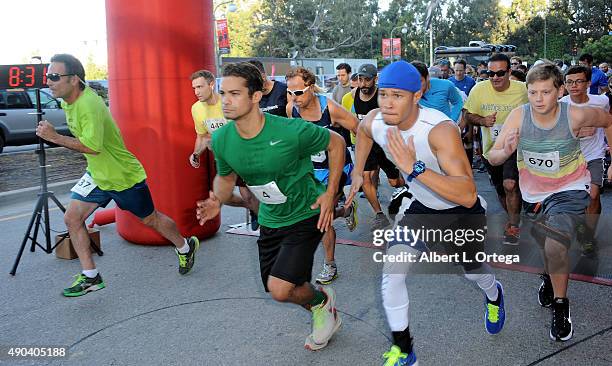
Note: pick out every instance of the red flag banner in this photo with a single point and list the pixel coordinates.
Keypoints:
(386, 48)
(223, 36)
(397, 47)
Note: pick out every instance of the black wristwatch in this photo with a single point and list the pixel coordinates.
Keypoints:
(417, 169)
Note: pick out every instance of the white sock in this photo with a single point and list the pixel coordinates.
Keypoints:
(91, 273)
(486, 282)
(184, 249)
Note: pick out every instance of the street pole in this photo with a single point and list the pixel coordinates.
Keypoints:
(431, 44)
(215, 40)
(545, 35)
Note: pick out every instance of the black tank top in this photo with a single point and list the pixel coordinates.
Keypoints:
(319, 161)
(362, 108)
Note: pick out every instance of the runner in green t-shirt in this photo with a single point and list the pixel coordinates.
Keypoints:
(113, 173)
(272, 155)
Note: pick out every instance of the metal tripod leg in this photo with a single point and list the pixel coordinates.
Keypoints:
(35, 217)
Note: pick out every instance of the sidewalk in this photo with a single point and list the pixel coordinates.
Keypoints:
(220, 315)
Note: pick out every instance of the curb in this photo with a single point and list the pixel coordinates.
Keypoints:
(19, 195)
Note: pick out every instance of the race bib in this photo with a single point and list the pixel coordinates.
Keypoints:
(84, 186)
(268, 193)
(543, 162)
(495, 130)
(214, 124)
(318, 157)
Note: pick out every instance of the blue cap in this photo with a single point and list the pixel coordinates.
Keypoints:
(400, 75)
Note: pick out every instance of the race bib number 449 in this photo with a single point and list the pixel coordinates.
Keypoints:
(544, 162)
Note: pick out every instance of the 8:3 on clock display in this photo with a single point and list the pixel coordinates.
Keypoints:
(23, 76)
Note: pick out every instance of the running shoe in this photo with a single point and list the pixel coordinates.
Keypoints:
(325, 322)
(83, 284)
(380, 221)
(545, 292)
(495, 312)
(350, 216)
(512, 234)
(395, 357)
(397, 198)
(561, 328)
(328, 274)
(187, 260)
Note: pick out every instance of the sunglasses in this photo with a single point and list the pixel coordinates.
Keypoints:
(499, 73)
(514, 63)
(56, 77)
(297, 93)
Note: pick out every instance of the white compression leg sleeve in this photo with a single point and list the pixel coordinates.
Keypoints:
(485, 279)
(395, 300)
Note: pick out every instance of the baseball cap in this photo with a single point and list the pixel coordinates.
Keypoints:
(400, 75)
(367, 70)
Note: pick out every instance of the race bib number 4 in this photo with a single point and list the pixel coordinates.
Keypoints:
(269, 193)
(543, 162)
(84, 186)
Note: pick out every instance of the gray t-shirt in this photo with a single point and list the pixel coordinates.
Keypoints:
(338, 92)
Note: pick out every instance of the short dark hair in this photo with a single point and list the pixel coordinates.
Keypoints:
(355, 77)
(344, 66)
(522, 68)
(421, 68)
(247, 71)
(578, 69)
(483, 64)
(73, 66)
(460, 61)
(501, 57)
(258, 65)
(586, 57)
(207, 75)
(519, 75)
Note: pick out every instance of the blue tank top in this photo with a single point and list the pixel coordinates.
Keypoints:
(319, 161)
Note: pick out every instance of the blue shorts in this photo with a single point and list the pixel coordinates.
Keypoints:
(136, 199)
(322, 175)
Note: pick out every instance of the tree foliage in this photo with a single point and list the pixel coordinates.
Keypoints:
(348, 28)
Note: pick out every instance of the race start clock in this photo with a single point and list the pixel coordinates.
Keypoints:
(23, 76)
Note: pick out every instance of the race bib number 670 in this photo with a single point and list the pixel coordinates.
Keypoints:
(544, 162)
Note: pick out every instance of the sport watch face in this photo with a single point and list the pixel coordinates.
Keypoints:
(418, 167)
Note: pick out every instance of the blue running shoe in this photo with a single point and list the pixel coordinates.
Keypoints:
(495, 313)
(395, 357)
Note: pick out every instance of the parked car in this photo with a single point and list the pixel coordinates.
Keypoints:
(17, 118)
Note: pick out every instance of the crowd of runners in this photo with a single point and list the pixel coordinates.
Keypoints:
(300, 158)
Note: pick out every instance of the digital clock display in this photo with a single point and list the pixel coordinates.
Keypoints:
(23, 76)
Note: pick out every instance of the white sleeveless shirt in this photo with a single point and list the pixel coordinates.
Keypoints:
(428, 118)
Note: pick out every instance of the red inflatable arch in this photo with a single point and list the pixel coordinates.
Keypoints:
(153, 47)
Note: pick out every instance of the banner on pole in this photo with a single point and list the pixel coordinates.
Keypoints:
(223, 37)
(386, 48)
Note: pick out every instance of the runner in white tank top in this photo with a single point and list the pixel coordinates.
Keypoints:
(426, 146)
(593, 147)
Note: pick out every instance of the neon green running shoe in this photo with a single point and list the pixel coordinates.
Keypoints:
(83, 284)
(187, 260)
(325, 322)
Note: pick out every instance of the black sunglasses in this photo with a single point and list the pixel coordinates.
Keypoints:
(56, 77)
(499, 73)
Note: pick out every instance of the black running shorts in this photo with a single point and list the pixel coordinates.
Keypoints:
(287, 253)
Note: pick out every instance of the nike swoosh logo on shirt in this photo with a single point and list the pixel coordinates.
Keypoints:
(272, 143)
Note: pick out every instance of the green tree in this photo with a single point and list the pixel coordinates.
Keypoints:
(241, 28)
(601, 49)
(334, 28)
(95, 71)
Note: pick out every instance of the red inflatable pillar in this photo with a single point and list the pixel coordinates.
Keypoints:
(153, 47)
